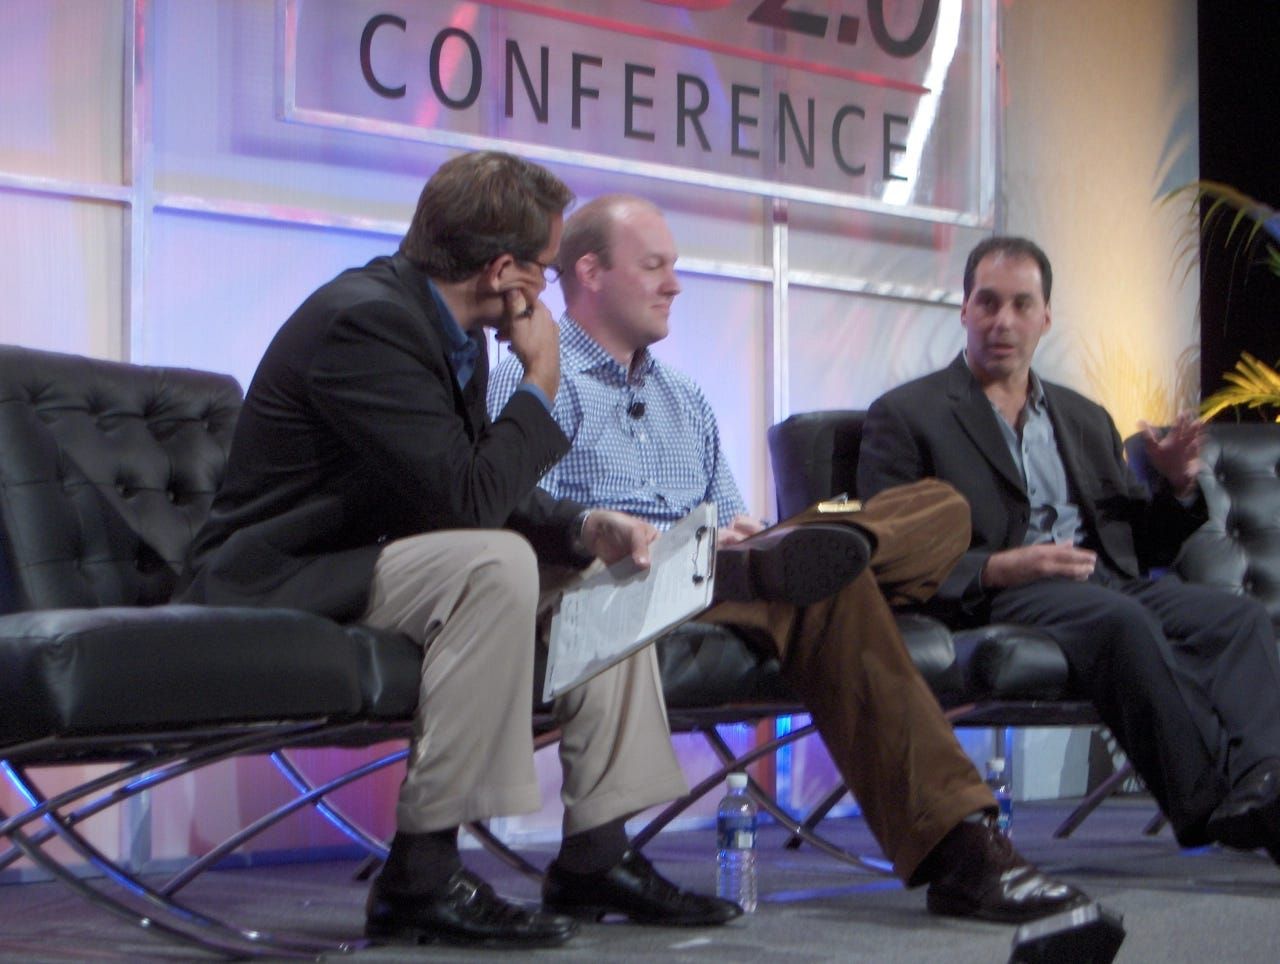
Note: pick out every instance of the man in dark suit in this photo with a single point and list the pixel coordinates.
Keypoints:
(1063, 536)
(366, 481)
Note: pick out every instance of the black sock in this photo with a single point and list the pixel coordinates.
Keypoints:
(949, 851)
(421, 863)
(594, 850)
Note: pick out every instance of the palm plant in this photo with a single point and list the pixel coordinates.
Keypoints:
(1251, 384)
(1254, 228)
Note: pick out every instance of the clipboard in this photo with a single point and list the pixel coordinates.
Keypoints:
(615, 611)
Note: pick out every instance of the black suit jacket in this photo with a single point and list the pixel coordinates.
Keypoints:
(354, 433)
(942, 425)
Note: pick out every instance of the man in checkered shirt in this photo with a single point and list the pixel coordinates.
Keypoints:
(645, 441)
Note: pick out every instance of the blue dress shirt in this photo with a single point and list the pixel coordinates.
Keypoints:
(644, 440)
(1034, 447)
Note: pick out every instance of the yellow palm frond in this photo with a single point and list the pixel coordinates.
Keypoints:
(1251, 227)
(1251, 384)
(1252, 375)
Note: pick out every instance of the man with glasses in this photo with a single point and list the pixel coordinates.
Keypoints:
(366, 482)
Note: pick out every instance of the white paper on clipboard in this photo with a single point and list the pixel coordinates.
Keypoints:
(611, 614)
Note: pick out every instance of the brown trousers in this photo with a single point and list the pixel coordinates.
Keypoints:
(845, 658)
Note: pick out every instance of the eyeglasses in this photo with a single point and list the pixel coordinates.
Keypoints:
(549, 271)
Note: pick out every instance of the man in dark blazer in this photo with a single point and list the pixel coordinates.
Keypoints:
(366, 481)
(1063, 536)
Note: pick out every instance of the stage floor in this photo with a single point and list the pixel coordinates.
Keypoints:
(1195, 907)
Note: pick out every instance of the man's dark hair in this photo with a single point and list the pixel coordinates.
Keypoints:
(479, 206)
(1010, 247)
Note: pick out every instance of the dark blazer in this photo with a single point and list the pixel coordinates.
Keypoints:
(942, 425)
(354, 433)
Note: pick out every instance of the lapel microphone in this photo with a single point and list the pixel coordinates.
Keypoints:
(636, 409)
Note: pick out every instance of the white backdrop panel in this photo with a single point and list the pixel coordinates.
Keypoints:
(219, 289)
(61, 99)
(846, 350)
(717, 338)
(878, 248)
(60, 272)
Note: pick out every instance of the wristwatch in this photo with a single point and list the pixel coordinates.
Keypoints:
(576, 530)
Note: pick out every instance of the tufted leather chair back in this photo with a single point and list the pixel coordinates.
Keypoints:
(107, 471)
(815, 456)
(1238, 549)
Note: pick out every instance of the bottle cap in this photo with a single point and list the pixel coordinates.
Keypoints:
(737, 781)
(996, 764)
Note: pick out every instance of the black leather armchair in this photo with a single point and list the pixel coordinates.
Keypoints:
(1003, 671)
(107, 472)
(1238, 548)
(1003, 675)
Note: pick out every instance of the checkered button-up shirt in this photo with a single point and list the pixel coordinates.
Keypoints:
(645, 441)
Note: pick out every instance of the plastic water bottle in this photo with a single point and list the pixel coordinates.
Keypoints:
(736, 845)
(999, 785)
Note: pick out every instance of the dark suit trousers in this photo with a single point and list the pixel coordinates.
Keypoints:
(1186, 677)
(845, 658)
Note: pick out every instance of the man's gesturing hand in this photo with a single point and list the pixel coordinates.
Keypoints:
(1176, 453)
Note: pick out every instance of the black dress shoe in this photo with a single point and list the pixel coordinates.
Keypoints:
(1249, 815)
(794, 564)
(981, 875)
(466, 912)
(633, 889)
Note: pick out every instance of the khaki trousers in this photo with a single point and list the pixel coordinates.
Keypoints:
(469, 597)
(845, 658)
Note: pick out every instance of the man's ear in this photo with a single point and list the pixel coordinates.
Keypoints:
(588, 270)
(499, 275)
(1048, 316)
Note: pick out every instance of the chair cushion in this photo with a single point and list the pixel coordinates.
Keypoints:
(1005, 661)
(705, 665)
(390, 672)
(72, 672)
(933, 652)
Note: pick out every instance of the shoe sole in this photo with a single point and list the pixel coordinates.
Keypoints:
(1088, 933)
(1250, 830)
(808, 564)
(1238, 833)
(595, 915)
(419, 936)
(959, 907)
